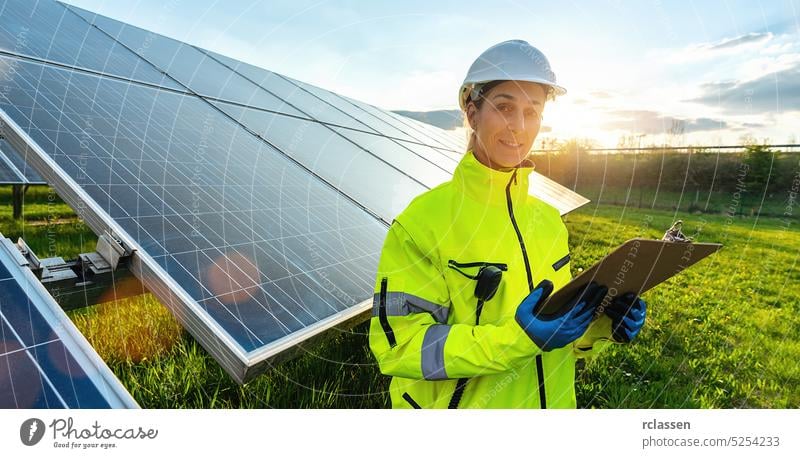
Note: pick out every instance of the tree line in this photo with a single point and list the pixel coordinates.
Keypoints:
(752, 171)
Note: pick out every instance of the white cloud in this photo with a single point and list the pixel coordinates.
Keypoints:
(702, 51)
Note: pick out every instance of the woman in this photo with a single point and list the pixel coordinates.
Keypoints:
(454, 318)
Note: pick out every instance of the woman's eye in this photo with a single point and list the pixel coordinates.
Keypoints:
(533, 114)
(504, 108)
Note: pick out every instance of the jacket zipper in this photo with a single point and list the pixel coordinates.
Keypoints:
(539, 363)
(461, 384)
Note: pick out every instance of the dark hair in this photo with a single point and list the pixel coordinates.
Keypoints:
(485, 88)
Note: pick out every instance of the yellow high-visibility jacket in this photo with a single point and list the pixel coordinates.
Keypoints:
(423, 331)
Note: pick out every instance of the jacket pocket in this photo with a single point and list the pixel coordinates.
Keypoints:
(382, 317)
(453, 264)
(462, 280)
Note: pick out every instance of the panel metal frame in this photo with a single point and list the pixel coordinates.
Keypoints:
(80, 348)
(23, 180)
(13, 168)
(240, 365)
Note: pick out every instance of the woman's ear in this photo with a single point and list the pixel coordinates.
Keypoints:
(472, 112)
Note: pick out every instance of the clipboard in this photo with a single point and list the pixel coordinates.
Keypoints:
(637, 265)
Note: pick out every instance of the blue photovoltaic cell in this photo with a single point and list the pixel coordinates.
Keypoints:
(448, 138)
(416, 159)
(353, 161)
(313, 107)
(47, 30)
(401, 123)
(371, 119)
(384, 122)
(186, 64)
(37, 368)
(22, 385)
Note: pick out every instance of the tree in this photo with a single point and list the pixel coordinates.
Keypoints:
(758, 159)
(675, 132)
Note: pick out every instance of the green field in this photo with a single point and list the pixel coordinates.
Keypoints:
(723, 334)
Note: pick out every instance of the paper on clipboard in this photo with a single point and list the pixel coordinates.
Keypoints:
(637, 265)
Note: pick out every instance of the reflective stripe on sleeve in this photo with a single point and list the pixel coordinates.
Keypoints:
(433, 352)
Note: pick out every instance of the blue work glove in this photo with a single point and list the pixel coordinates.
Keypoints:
(557, 330)
(627, 313)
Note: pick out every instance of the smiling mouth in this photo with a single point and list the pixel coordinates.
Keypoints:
(511, 144)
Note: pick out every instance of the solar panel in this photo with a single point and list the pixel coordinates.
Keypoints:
(400, 124)
(254, 211)
(249, 248)
(311, 106)
(331, 102)
(450, 139)
(13, 169)
(187, 65)
(563, 198)
(44, 360)
(47, 31)
(353, 161)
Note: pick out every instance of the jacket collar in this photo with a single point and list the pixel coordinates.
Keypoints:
(487, 185)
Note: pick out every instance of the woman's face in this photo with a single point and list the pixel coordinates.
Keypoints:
(507, 122)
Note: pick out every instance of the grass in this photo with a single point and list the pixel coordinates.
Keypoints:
(725, 333)
(722, 334)
(48, 225)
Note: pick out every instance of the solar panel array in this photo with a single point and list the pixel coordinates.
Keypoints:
(44, 360)
(257, 204)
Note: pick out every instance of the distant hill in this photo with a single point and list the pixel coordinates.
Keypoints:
(443, 119)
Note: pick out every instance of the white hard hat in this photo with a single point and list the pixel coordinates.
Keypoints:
(510, 60)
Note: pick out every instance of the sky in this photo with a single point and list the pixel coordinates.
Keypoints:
(633, 70)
